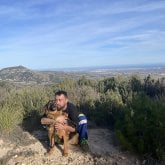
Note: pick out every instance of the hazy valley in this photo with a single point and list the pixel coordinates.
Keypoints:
(21, 74)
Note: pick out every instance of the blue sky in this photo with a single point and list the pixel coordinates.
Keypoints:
(42, 34)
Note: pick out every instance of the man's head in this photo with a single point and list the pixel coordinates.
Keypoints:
(61, 99)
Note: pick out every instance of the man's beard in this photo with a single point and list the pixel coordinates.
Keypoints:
(60, 108)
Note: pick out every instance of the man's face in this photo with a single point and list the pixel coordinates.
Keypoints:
(61, 102)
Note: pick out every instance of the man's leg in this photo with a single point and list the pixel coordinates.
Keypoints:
(83, 134)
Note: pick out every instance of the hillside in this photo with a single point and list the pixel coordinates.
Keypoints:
(123, 111)
(29, 148)
(19, 74)
(25, 75)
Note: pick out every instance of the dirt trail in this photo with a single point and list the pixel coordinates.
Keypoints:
(29, 149)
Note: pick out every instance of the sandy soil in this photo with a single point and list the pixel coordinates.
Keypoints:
(26, 148)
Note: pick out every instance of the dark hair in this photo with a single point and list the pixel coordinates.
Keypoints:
(61, 92)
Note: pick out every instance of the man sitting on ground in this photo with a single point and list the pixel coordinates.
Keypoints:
(77, 118)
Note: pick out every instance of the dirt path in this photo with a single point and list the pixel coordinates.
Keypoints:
(30, 149)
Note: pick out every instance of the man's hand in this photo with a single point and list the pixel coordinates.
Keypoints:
(63, 126)
(60, 126)
(47, 121)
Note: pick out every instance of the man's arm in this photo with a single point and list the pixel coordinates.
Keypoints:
(69, 128)
(47, 121)
(65, 127)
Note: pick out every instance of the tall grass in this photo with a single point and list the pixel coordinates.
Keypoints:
(21, 103)
(10, 117)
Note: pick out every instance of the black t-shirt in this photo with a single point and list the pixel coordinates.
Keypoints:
(73, 113)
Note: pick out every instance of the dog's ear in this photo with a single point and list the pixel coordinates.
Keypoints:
(51, 105)
(46, 107)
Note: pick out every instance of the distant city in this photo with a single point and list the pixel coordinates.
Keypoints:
(111, 67)
(21, 74)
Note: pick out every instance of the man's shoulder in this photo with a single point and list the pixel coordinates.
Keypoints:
(71, 106)
(72, 112)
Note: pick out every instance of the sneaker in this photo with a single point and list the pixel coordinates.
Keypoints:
(84, 145)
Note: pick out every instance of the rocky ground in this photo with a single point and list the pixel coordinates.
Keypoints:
(25, 148)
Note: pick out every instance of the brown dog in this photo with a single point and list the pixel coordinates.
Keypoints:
(50, 118)
(53, 116)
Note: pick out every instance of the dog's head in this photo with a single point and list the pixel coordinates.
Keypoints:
(50, 106)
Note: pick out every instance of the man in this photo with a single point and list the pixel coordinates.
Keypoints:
(77, 118)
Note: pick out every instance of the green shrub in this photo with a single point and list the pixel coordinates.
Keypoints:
(123, 140)
(10, 117)
(142, 126)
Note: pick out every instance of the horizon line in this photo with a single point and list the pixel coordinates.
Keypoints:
(92, 67)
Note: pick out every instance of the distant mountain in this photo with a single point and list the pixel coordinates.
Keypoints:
(23, 74)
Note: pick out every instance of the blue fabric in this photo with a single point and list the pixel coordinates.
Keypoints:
(82, 127)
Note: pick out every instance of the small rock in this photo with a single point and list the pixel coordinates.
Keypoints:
(1, 141)
(15, 156)
(18, 163)
(122, 157)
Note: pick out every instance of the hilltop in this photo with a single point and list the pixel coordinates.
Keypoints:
(24, 75)
(19, 74)
(30, 148)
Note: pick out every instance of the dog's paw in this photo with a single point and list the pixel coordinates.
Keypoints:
(49, 152)
(65, 154)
